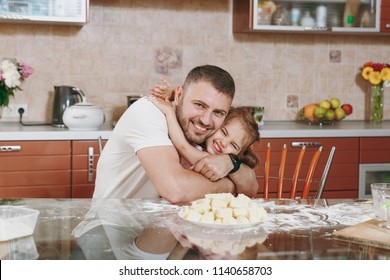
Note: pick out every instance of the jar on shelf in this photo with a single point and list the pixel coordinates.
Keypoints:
(321, 16)
(307, 20)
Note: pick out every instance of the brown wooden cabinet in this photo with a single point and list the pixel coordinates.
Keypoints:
(385, 16)
(374, 150)
(343, 176)
(85, 154)
(35, 169)
(62, 169)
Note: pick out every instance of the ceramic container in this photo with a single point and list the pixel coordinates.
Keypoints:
(83, 116)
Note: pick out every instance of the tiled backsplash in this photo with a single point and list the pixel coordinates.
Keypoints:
(129, 44)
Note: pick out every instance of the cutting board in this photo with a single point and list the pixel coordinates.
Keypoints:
(365, 233)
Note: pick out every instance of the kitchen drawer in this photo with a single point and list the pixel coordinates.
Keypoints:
(343, 175)
(32, 168)
(82, 190)
(15, 162)
(30, 148)
(34, 178)
(81, 147)
(375, 150)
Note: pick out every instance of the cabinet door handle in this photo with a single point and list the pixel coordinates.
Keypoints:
(91, 160)
(307, 144)
(10, 148)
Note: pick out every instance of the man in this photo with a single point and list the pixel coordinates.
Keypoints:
(140, 161)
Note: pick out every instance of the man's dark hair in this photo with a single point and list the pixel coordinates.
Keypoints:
(219, 78)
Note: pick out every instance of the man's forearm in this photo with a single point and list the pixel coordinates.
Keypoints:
(245, 181)
(195, 186)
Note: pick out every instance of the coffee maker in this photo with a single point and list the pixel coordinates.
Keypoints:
(64, 96)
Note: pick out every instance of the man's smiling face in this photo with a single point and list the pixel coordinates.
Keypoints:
(201, 110)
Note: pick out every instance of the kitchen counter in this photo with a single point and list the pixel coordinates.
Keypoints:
(107, 229)
(290, 129)
(12, 131)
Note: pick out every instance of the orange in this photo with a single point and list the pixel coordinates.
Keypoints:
(308, 111)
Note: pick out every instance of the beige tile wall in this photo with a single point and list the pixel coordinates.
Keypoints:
(129, 44)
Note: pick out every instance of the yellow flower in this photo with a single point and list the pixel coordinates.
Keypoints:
(375, 78)
(366, 72)
(385, 74)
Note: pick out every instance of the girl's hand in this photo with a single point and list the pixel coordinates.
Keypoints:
(164, 106)
(163, 91)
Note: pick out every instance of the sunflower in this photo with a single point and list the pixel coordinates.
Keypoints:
(375, 78)
(385, 74)
(376, 73)
(367, 72)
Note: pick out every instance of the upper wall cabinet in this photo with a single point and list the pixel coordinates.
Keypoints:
(45, 11)
(312, 16)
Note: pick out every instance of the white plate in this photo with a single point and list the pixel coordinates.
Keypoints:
(217, 226)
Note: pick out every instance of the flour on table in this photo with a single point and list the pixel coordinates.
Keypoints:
(295, 216)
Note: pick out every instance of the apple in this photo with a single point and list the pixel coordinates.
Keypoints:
(325, 104)
(319, 112)
(330, 115)
(335, 103)
(340, 114)
(347, 109)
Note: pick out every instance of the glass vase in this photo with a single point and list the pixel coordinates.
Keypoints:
(376, 114)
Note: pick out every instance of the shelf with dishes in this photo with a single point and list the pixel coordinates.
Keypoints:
(312, 16)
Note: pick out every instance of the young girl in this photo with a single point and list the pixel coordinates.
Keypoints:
(236, 135)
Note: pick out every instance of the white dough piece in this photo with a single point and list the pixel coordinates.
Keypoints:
(224, 213)
(186, 209)
(242, 220)
(240, 212)
(201, 207)
(229, 221)
(207, 217)
(220, 196)
(243, 197)
(217, 204)
(238, 203)
(201, 201)
(224, 208)
(193, 215)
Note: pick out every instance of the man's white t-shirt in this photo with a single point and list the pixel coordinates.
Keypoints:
(119, 172)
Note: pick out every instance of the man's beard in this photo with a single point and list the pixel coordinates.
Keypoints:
(193, 138)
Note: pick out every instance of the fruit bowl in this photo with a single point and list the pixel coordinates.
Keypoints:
(326, 112)
(320, 122)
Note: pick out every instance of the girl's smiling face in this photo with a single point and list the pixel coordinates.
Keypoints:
(229, 139)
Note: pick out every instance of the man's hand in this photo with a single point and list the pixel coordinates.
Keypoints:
(214, 167)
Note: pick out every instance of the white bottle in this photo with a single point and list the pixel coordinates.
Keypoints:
(307, 20)
(321, 16)
(295, 16)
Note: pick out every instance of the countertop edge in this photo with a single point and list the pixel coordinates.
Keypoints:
(271, 129)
